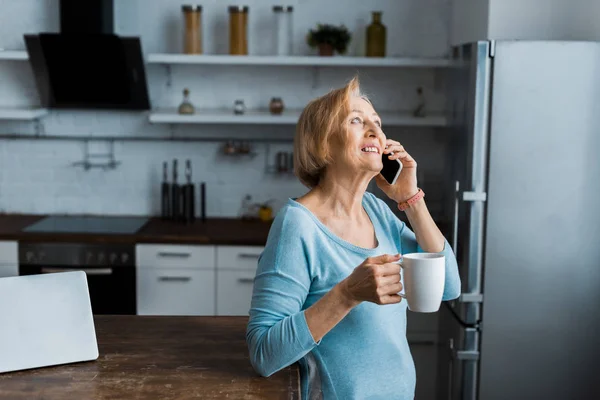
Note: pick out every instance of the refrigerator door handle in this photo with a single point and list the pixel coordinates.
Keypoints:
(466, 355)
(455, 222)
(474, 196)
(471, 298)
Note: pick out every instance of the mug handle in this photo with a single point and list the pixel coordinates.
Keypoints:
(401, 267)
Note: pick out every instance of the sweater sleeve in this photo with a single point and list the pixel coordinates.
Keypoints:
(277, 333)
(408, 244)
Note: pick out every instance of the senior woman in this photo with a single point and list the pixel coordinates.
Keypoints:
(326, 288)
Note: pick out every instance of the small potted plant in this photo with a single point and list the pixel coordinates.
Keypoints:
(329, 38)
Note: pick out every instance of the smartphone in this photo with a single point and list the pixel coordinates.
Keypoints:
(391, 168)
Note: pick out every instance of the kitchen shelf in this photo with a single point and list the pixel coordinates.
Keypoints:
(24, 114)
(13, 55)
(290, 117)
(315, 61)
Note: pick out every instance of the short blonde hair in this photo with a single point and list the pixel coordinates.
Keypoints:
(321, 121)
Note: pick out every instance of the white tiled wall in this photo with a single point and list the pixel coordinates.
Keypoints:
(37, 176)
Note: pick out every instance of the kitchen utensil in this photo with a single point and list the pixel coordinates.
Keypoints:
(281, 162)
(203, 201)
(188, 195)
(165, 202)
(175, 195)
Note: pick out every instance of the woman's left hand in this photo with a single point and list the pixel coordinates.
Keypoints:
(406, 184)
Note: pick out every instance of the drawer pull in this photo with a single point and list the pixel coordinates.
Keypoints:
(246, 280)
(174, 254)
(248, 255)
(174, 278)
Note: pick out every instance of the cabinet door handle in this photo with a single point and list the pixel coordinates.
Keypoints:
(173, 254)
(246, 280)
(248, 255)
(174, 278)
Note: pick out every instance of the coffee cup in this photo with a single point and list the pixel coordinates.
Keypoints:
(423, 276)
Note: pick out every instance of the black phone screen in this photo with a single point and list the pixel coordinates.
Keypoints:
(390, 168)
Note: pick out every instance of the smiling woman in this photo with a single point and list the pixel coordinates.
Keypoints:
(326, 292)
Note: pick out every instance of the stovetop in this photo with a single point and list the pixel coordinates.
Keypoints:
(83, 224)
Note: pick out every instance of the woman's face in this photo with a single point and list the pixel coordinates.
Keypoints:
(365, 141)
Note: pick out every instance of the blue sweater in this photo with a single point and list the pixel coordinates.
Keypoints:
(366, 355)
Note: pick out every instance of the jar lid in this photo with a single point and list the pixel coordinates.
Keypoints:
(238, 9)
(190, 7)
(283, 8)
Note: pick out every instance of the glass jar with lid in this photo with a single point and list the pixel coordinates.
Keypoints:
(192, 38)
(283, 22)
(238, 30)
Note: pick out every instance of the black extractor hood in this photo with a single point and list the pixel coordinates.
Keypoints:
(87, 66)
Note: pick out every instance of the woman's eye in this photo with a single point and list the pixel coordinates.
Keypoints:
(355, 120)
(378, 123)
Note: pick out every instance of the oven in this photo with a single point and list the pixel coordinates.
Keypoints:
(110, 270)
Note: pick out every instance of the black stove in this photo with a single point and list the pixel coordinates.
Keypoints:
(81, 224)
(110, 266)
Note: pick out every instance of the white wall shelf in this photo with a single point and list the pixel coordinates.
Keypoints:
(315, 61)
(13, 55)
(23, 114)
(290, 117)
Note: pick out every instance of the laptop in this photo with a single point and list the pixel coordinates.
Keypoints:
(45, 320)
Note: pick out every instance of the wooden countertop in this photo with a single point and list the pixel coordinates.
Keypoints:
(232, 231)
(158, 358)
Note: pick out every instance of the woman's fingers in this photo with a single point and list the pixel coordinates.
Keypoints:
(389, 280)
(391, 299)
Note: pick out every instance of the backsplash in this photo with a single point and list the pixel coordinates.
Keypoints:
(37, 175)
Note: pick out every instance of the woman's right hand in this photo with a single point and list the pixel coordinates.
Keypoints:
(376, 280)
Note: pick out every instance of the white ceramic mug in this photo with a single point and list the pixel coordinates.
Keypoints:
(423, 280)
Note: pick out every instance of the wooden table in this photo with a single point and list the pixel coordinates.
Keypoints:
(158, 358)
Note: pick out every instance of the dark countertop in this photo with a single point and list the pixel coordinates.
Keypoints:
(230, 231)
(158, 357)
(223, 231)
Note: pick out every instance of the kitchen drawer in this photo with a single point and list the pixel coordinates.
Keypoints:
(175, 291)
(238, 257)
(9, 252)
(234, 292)
(7, 270)
(174, 256)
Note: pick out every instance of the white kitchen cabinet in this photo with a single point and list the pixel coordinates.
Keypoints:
(236, 268)
(234, 292)
(9, 270)
(174, 255)
(175, 279)
(175, 291)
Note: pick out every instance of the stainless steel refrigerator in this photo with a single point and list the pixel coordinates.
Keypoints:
(525, 123)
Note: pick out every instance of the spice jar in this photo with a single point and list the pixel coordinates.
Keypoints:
(238, 30)
(283, 20)
(239, 107)
(192, 38)
(276, 105)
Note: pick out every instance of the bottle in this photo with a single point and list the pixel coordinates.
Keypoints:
(192, 38)
(376, 36)
(238, 30)
(283, 21)
(186, 107)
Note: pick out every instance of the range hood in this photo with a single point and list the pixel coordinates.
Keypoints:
(87, 66)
